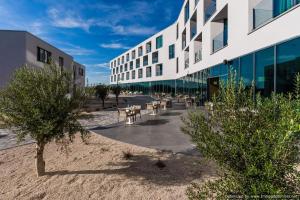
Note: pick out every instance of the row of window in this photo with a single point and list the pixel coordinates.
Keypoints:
(155, 59)
(45, 56)
(119, 61)
(121, 77)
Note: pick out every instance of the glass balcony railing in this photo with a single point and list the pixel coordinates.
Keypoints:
(186, 63)
(210, 9)
(183, 44)
(198, 55)
(269, 9)
(219, 42)
(193, 31)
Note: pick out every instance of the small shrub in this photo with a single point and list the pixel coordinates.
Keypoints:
(127, 155)
(255, 142)
(160, 164)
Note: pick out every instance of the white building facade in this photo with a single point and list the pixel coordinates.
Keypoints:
(258, 39)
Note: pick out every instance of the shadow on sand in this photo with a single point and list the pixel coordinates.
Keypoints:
(178, 170)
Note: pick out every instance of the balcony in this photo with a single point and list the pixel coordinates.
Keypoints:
(198, 48)
(187, 58)
(266, 10)
(219, 42)
(187, 63)
(210, 9)
(198, 55)
(193, 26)
(219, 27)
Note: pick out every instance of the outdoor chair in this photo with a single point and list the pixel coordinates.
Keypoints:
(122, 113)
(137, 110)
(163, 104)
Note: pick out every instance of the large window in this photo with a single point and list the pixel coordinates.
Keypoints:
(288, 65)
(126, 67)
(246, 70)
(61, 62)
(148, 47)
(43, 55)
(133, 74)
(138, 63)
(145, 60)
(172, 51)
(155, 57)
(140, 51)
(159, 70)
(133, 54)
(127, 76)
(127, 57)
(177, 65)
(264, 71)
(131, 65)
(140, 73)
(159, 42)
(148, 72)
(186, 11)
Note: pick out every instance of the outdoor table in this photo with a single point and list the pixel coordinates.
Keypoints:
(129, 115)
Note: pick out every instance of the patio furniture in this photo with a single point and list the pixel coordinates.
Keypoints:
(130, 116)
(137, 110)
(188, 102)
(163, 104)
(154, 106)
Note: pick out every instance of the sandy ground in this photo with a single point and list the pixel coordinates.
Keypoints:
(99, 171)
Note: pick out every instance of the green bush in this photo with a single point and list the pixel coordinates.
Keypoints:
(39, 102)
(255, 143)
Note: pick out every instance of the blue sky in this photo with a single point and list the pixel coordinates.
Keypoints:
(92, 31)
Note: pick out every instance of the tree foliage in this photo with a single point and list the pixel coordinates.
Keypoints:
(116, 89)
(37, 102)
(101, 92)
(254, 141)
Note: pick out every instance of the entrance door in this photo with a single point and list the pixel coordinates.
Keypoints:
(213, 87)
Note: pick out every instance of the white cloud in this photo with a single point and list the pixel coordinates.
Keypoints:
(101, 65)
(114, 46)
(78, 51)
(68, 19)
(133, 30)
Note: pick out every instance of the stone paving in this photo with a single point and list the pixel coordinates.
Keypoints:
(8, 139)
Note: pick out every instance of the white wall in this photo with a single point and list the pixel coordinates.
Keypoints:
(241, 38)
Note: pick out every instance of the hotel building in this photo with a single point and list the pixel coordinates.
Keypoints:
(258, 39)
(20, 48)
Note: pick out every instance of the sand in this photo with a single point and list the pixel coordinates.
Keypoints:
(99, 171)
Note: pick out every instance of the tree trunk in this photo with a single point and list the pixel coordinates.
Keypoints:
(117, 100)
(40, 163)
(102, 103)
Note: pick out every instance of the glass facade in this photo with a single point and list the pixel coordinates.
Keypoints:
(287, 65)
(272, 69)
(264, 71)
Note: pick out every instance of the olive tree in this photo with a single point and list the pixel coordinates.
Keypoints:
(101, 92)
(116, 89)
(38, 102)
(254, 141)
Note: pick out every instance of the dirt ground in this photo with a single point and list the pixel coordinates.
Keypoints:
(99, 170)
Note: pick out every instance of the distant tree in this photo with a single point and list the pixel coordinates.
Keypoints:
(37, 103)
(101, 92)
(116, 89)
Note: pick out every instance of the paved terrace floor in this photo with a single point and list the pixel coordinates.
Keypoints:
(160, 132)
